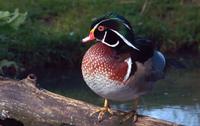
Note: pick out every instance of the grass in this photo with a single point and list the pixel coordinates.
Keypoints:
(53, 29)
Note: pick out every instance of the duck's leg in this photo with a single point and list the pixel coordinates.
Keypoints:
(133, 113)
(103, 111)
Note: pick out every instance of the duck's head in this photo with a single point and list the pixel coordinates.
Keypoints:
(112, 30)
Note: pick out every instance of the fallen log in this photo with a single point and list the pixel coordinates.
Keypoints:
(23, 104)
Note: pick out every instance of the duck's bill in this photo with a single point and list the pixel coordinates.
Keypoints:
(90, 37)
(86, 39)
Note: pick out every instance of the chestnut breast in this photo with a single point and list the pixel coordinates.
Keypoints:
(104, 72)
(103, 60)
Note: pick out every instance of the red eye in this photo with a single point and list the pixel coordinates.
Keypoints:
(101, 28)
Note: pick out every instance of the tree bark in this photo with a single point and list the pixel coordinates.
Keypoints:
(23, 102)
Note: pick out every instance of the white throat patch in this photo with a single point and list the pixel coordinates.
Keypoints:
(103, 41)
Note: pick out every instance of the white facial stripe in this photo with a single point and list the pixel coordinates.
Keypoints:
(108, 20)
(99, 23)
(103, 41)
(122, 23)
(129, 62)
(127, 26)
(125, 40)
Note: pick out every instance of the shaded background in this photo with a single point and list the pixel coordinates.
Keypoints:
(43, 37)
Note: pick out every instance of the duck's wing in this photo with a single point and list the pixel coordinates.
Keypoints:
(153, 68)
(146, 49)
(138, 81)
(147, 73)
(158, 65)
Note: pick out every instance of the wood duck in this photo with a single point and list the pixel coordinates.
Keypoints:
(119, 67)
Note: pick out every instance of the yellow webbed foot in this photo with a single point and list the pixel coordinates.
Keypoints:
(103, 111)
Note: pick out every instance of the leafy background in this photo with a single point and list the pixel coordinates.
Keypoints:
(47, 33)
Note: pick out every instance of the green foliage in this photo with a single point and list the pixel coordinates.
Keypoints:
(13, 20)
(53, 29)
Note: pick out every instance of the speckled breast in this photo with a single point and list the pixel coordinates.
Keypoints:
(104, 74)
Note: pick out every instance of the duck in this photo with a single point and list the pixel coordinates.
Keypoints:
(119, 66)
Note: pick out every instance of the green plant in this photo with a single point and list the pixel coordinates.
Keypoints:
(52, 30)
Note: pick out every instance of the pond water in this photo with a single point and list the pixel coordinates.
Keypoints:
(176, 98)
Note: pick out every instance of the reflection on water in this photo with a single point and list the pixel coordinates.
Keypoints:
(187, 115)
(176, 99)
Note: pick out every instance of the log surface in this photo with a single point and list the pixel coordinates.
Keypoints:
(23, 101)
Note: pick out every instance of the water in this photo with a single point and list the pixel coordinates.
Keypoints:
(176, 98)
(188, 115)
